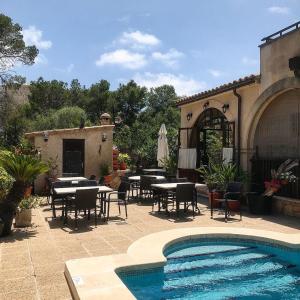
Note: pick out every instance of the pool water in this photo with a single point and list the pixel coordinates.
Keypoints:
(220, 269)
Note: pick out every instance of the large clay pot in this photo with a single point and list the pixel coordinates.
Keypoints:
(6, 221)
(23, 218)
(259, 204)
(123, 166)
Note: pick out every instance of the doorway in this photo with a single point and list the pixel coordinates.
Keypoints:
(73, 157)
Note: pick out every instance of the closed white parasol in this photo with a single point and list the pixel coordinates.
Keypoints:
(162, 145)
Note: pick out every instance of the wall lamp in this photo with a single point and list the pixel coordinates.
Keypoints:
(189, 116)
(205, 105)
(104, 137)
(225, 107)
(45, 136)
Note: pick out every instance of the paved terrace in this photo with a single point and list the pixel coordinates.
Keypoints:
(32, 260)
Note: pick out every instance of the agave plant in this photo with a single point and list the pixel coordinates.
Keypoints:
(23, 169)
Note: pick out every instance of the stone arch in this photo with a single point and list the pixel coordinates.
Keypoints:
(263, 102)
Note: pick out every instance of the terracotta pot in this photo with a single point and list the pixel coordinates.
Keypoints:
(215, 195)
(234, 206)
(28, 192)
(23, 218)
(123, 166)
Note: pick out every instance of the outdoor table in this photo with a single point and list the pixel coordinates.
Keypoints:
(164, 188)
(138, 178)
(71, 178)
(154, 171)
(68, 191)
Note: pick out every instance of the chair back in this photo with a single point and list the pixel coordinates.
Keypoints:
(185, 192)
(60, 184)
(234, 187)
(86, 199)
(87, 183)
(124, 187)
(146, 181)
(176, 180)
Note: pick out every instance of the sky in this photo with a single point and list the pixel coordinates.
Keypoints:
(194, 45)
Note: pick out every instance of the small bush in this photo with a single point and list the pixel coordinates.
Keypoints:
(6, 182)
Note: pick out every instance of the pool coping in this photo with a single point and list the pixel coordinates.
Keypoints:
(96, 278)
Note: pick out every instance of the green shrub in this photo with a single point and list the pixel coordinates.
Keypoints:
(6, 182)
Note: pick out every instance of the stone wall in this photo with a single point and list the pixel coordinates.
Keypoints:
(287, 206)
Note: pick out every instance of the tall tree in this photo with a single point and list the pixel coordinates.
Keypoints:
(12, 48)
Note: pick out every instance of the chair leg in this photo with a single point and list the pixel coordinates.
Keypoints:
(96, 216)
(53, 210)
(125, 204)
(119, 208)
(76, 220)
(89, 214)
(108, 207)
(226, 211)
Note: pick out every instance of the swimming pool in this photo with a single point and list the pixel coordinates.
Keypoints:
(220, 269)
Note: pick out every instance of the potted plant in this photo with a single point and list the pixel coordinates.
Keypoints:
(105, 173)
(23, 169)
(24, 211)
(124, 160)
(261, 203)
(210, 179)
(170, 165)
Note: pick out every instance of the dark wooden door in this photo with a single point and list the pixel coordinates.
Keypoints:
(73, 157)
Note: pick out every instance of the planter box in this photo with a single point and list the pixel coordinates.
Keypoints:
(23, 218)
(259, 204)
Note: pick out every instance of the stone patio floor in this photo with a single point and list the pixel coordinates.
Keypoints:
(32, 259)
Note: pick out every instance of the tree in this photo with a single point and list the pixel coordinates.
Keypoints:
(98, 95)
(47, 95)
(12, 48)
(130, 100)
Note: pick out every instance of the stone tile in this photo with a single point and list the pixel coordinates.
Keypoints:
(55, 292)
(21, 295)
(19, 284)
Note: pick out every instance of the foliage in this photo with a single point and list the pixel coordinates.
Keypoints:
(214, 146)
(12, 48)
(6, 182)
(124, 158)
(23, 168)
(170, 164)
(218, 175)
(29, 203)
(104, 170)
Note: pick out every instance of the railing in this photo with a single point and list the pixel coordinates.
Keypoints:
(261, 171)
(281, 32)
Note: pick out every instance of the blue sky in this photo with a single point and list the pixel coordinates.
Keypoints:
(192, 44)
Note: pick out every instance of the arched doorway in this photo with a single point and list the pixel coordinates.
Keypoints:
(277, 138)
(211, 133)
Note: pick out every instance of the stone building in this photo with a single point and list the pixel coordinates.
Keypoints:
(257, 117)
(75, 151)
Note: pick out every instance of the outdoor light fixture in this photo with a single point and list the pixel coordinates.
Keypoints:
(189, 116)
(206, 105)
(225, 107)
(46, 136)
(294, 64)
(104, 137)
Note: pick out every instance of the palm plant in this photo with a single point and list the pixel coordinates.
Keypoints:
(23, 169)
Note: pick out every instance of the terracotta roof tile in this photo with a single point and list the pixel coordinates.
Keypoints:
(220, 89)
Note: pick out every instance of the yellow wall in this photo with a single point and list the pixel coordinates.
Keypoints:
(96, 151)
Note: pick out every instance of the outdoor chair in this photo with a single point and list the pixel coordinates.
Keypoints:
(145, 186)
(122, 198)
(186, 195)
(84, 200)
(56, 199)
(176, 180)
(231, 197)
(158, 195)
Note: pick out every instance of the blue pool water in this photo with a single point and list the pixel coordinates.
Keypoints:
(220, 269)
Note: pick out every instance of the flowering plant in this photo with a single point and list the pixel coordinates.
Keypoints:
(282, 176)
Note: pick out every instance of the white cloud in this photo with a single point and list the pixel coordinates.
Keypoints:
(123, 58)
(138, 39)
(33, 36)
(282, 10)
(215, 73)
(41, 59)
(249, 61)
(182, 84)
(169, 58)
